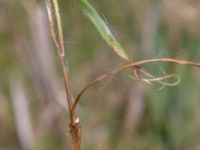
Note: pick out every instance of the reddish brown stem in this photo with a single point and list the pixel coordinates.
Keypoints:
(74, 121)
(59, 45)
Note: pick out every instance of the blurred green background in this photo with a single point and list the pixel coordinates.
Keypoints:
(118, 115)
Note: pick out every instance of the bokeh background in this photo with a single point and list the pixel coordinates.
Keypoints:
(117, 114)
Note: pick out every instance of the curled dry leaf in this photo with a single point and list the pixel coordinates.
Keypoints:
(136, 65)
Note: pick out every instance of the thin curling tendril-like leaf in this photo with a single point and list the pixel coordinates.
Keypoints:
(160, 80)
(133, 65)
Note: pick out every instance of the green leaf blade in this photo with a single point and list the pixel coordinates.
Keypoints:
(102, 28)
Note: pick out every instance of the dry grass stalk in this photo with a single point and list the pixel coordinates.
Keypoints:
(59, 44)
(22, 115)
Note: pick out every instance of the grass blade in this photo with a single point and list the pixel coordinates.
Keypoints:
(103, 29)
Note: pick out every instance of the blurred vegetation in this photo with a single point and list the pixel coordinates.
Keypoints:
(118, 115)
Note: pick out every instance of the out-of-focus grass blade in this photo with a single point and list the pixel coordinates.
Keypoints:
(103, 29)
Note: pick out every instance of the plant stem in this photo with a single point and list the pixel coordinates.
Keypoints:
(74, 121)
(59, 44)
